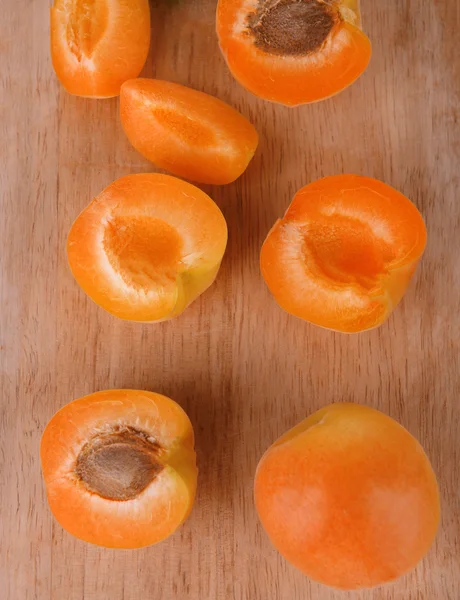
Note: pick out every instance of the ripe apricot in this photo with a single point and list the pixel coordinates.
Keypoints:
(96, 45)
(147, 246)
(349, 497)
(186, 132)
(344, 253)
(120, 467)
(292, 51)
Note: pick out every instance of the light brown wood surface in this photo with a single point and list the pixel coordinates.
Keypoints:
(243, 369)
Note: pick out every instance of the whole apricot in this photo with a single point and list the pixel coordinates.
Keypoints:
(349, 497)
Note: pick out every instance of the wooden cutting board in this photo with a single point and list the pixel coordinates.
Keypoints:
(243, 369)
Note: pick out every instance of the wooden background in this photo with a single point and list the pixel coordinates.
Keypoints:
(243, 369)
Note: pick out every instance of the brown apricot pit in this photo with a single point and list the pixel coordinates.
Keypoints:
(292, 27)
(119, 464)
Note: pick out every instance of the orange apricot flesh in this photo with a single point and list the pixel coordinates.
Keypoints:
(120, 467)
(344, 253)
(96, 45)
(147, 246)
(184, 131)
(293, 52)
(349, 497)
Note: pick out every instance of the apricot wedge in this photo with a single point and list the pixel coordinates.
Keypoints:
(344, 252)
(96, 45)
(349, 497)
(147, 246)
(120, 467)
(186, 132)
(293, 52)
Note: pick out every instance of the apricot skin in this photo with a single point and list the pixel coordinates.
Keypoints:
(349, 497)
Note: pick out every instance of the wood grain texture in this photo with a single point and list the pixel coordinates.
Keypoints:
(243, 369)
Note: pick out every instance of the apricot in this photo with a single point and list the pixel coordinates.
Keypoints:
(186, 132)
(349, 497)
(344, 253)
(290, 51)
(96, 45)
(147, 246)
(120, 467)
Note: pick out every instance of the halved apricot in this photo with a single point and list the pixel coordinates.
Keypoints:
(147, 246)
(186, 132)
(349, 497)
(120, 467)
(290, 51)
(96, 45)
(344, 253)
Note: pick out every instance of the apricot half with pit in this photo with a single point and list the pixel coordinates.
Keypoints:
(293, 51)
(120, 467)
